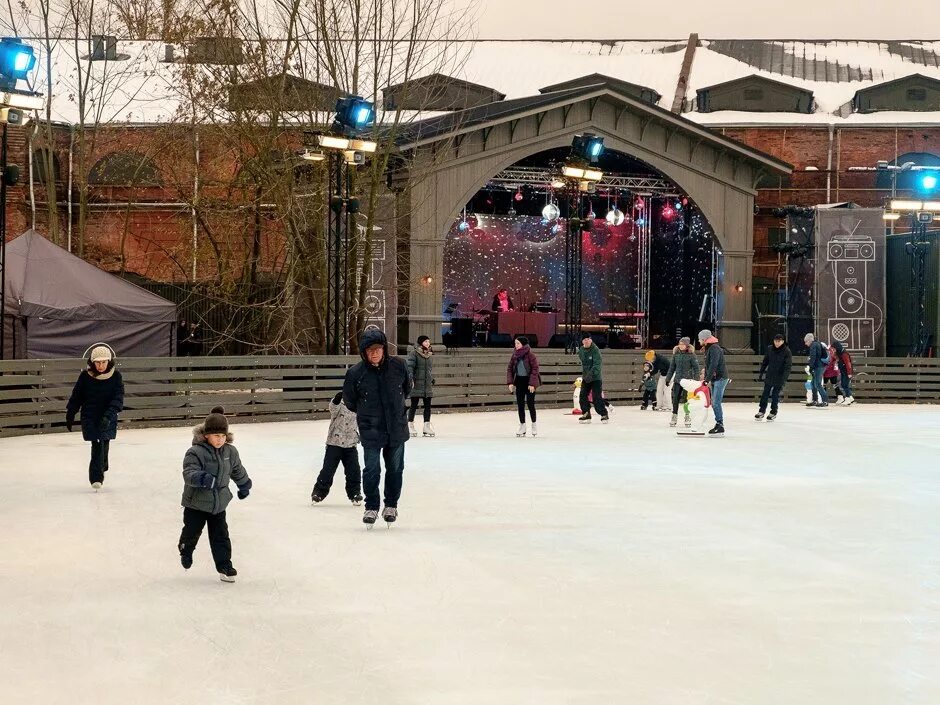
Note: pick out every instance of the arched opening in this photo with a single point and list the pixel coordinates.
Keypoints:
(647, 256)
(124, 169)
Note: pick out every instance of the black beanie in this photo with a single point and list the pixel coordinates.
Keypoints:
(215, 421)
(522, 339)
(421, 339)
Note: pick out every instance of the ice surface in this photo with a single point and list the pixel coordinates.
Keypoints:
(790, 563)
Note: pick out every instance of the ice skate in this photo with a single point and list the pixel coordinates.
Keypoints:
(186, 557)
(759, 415)
(521, 432)
(356, 499)
(840, 400)
(390, 515)
(535, 429)
(369, 517)
(316, 497)
(643, 406)
(849, 400)
(717, 432)
(227, 575)
(674, 421)
(688, 421)
(821, 405)
(428, 430)
(585, 418)
(771, 416)
(655, 408)
(605, 418)
(412, 429)
(96, 486)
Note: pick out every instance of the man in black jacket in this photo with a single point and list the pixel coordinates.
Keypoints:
(376, 389)
(817, 361)
(774, 371)
(715, 376)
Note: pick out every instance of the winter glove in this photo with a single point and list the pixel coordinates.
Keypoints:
(760, 378)
(69, 420)
(338, 398)
(204, 479)
(244, 490)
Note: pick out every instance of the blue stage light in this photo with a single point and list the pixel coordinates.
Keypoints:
(16, 61)
(928, 182)
(353, 114)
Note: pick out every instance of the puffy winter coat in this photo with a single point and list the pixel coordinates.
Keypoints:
(684, 365)
(207, 471)
(832, 367)
(421, 366)
(531, 363)
(344, 431)
(845, 360)
(775, 367)
(100, 398)
(377, 395)
(591, 368)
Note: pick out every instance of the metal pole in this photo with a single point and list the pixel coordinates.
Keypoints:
(3, 241)
(337, 260)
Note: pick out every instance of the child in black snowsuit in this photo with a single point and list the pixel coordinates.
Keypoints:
(209, 464)
(341, 441)
(648, 386)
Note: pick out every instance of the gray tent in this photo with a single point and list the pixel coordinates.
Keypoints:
(56, 305)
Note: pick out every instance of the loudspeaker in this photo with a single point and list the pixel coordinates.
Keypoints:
(462, 328)
(499, 340)
(558, 340)
(600, 339)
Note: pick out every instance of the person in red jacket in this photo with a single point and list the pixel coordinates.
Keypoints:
(844, 363)
(831, 373)
(522, 377)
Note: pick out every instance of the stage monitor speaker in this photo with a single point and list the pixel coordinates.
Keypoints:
(558, 341)
(462, 328)
(499, 340)
(600, 339)
(532, 337)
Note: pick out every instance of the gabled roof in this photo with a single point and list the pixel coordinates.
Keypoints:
(912, 78)
(438, 91)
(789, 87)
(447, 126)
(300, 94)
(599, 79)
(435, 78)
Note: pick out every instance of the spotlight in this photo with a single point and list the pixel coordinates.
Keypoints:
(906, 205)
(311, 156)
(614, 216)
(891, 216)
(16, 61)
(550, 212)
(927, 182)
(558, 183)
(587, 146)
(353, 114)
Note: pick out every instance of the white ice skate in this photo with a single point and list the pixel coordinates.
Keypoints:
(428, 429)
(412, 429)
(96, 486)
(535, 429)
(849, 401)
(521, 432)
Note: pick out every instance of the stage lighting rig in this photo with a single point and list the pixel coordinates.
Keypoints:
(587, 147)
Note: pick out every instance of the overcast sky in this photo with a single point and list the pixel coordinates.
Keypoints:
(754, 19)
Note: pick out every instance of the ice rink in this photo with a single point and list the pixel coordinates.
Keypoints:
(791, 563)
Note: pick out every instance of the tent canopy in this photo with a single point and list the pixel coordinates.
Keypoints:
(61, 300)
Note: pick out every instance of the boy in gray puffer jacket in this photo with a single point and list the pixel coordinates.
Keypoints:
(341, 441)
(209, 464)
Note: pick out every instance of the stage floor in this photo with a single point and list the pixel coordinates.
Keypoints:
(791, 563)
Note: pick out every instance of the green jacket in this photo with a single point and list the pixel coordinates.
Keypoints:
(590, 363)
(684, 365)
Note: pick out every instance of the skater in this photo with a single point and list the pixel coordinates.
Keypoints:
(817, 365)
(774, 373)
(831, 374)
(208, 465)
(648, 387)
(684, 365)
(591, 369)
(99, 395)
(421, 367)
(660, 365)
(376, 389)
(845, 371)
(522, 376)
(341, 441)
(715, 376)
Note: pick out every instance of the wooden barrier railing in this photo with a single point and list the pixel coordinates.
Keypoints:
(174, 391)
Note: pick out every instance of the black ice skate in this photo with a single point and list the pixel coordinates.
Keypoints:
(771, 416)
(585, 418)
(717, 432)
(643, 406)
(316, 498)
(605, 418)
(390, 515)
(186, 557)
(759, 415)
(227, 575)
(369, 517)
(356, 499)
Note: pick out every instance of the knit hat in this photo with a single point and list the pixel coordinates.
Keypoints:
(685, 340)
(215, 422)
(704, 335)
(421, 339)
(522, 339)
(100, 353)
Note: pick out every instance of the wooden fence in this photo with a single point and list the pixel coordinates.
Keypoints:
(179, 391)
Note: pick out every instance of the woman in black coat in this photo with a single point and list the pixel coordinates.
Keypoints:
(99, 395)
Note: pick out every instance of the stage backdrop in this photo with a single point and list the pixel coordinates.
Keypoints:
(527, 256)
(850, 278)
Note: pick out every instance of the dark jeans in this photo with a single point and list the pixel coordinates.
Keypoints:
(846, 384)
(772, 391)
(414, 408)
(718, 393)
(219, 542)
(649, 397)
(524, 398)
(98, 465)
(331, 461)
(394, 457)
(677, 392)
(595, 389)
(819, 389)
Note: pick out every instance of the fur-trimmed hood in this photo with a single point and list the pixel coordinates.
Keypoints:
(199, 435)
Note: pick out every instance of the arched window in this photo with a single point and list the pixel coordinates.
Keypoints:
(124, 169)
(41, 166)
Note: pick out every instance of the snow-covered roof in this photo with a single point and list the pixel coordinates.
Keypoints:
(145, 89)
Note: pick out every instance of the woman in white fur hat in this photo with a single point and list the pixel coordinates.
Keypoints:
(99, 395)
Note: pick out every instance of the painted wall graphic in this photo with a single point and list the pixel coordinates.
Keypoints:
(850, 278)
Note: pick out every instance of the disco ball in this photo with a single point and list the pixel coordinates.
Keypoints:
(550, 212)
(615, 216)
